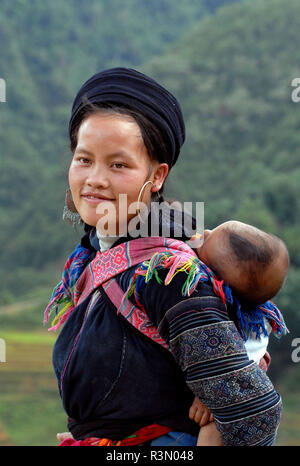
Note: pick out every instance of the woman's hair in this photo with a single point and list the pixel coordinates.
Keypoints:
(152, 138)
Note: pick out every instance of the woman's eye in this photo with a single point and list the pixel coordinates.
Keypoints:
(118, 165)
(82, 160)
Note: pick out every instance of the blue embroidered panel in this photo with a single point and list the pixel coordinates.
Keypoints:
(233, 387)
(207, 342)
(251, 430)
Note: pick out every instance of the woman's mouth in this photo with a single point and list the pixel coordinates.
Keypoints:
(94, 199)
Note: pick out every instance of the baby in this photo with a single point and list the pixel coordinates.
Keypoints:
(254, 264)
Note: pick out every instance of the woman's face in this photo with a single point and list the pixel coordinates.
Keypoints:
(110, 160)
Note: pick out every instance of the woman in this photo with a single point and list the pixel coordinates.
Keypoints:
(135, 350)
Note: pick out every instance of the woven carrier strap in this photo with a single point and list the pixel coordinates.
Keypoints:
(137, 317)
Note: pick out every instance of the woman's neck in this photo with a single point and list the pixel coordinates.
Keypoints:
(105, 242)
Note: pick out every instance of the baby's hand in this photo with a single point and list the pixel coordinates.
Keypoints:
(200, 413)
(265, 361)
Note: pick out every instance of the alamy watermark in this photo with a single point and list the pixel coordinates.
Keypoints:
(2, 90)
(2, 350)
(295, 95)
(167, 218)
(296, 352)
(2, 99)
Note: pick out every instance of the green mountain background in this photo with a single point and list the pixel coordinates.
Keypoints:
(231, 65)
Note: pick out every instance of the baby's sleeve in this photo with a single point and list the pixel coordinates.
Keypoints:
(256, 348)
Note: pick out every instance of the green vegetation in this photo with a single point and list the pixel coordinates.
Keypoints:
(50, 49)
(231, 67)
(30, 408)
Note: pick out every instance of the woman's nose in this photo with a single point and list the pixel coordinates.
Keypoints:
(97, 177)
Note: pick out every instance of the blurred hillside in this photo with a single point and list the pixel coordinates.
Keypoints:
(50, 49)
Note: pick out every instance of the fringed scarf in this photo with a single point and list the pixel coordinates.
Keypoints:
(154, 254)
(61, 301)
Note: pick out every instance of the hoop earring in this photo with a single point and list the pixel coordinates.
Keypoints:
(70, 214)
(140, 195)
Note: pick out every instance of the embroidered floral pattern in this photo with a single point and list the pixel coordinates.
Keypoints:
(251, 430)
(233, 387)
(207, 342)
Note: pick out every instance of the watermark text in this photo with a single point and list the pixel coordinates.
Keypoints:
(296, 352)
(295, 96)
(2, 350)
(157, 219)
(2, 90)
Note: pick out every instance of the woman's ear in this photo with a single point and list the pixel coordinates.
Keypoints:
(159, 176)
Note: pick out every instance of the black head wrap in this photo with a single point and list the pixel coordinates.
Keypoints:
(135, 90)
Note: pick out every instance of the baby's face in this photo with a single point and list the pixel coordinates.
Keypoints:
(211, 243)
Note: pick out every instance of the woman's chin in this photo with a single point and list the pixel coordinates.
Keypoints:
(89, 220)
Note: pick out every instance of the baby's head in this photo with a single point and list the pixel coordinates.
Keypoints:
(252, 262)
